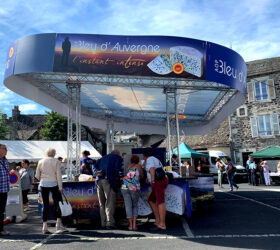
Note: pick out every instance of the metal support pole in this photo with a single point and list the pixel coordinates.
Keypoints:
(112, 135)
(168, 130)
(73, 137)
(177, 131)
(108, 136)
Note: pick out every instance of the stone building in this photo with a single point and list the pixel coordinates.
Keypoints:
(255, 125)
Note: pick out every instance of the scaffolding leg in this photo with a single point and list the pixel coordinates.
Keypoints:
(73, 129)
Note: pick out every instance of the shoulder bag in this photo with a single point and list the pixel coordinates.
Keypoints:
(159, 173)
(65, 207)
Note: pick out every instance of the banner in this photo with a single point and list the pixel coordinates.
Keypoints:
(130, 55)
(163, 56)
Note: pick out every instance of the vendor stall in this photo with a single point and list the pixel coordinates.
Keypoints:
(143, 84)
(180, 194)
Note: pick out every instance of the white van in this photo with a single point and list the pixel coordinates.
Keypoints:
(240, 173)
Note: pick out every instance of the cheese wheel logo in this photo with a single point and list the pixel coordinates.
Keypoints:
(11, 52)
(178, 68)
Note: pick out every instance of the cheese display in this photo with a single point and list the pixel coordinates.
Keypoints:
(191, 58)
(161, 65)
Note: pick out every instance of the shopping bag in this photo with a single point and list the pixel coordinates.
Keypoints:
(65, 207)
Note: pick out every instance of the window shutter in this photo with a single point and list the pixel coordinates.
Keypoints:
(271, 88)
(275, 123)
(250, 90)
(254, 127)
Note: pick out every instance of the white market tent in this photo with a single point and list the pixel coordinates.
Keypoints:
(35, 150)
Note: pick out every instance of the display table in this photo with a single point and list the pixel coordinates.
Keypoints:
(180, 195)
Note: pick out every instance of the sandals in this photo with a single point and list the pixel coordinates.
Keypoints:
(46, 232)
(161, 227)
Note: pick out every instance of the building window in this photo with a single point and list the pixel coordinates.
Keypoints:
(261, 91)
(265, 125)
(242, 111)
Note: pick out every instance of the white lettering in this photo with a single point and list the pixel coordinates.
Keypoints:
(143, 49)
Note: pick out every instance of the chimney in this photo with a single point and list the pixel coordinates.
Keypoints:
(15, 113)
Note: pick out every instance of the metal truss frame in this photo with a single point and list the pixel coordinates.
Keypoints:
(171, 100)
(45, 81)
(73, 129)
(127, 81)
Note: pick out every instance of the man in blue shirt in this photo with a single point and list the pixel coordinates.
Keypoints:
(4, 185)
(252, 168)
(109, 167)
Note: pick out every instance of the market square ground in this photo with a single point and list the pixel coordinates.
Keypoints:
(247, 218)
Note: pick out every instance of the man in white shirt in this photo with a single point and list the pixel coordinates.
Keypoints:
(157, 197)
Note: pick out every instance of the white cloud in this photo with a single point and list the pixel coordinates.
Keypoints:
(126, 98)
(29, 107)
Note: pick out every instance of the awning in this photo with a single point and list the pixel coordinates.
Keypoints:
(35, 150)
(270, 152)
(187, 152)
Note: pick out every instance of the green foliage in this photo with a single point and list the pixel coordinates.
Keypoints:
(55, 127)
(4, 129)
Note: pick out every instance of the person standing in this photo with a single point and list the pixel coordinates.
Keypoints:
(230, 174)
(48, 172)
(131, 190)
(109, 167)
(27, 179)
(248, 162)
(253, 168)
(266, 173)
(262, 180)
(87, 163)
(157, 197)
(4, 186)
(221, 169)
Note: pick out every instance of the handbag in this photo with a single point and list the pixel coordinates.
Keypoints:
(65, 207)
(159, 174)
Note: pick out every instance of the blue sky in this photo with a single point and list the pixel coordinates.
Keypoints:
(251, 27)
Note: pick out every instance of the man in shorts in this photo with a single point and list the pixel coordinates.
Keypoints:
(157, 197)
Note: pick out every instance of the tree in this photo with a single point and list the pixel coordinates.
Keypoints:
(55, 127)
(4, 129)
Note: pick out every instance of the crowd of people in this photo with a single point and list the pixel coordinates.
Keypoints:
(258, 173)
(107, 174)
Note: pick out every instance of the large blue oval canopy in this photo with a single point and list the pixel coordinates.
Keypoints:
(125, 78)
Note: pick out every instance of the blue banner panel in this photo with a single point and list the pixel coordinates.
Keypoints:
(225, 66)
(130, 55)
(11, 58)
